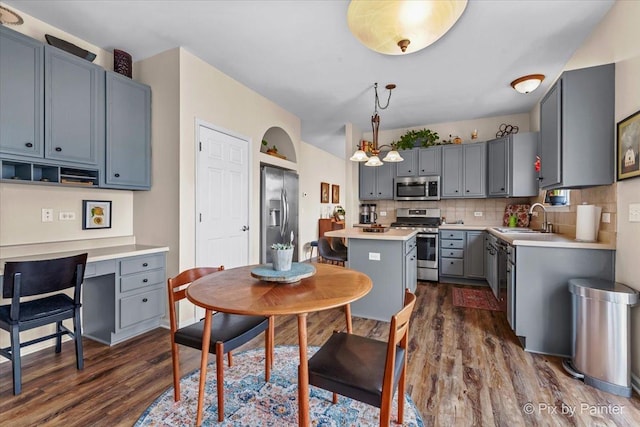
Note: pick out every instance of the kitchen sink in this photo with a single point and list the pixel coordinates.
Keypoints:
(508, 230)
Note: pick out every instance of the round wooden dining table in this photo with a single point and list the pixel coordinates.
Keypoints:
(236, 291)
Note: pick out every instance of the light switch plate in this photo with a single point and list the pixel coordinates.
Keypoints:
(477, 214)
(374, 256)
(606, 217)
(634, 212)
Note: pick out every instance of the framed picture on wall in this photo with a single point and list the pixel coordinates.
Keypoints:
(96, 214)
(629, 147)
(324, 192)
(335, 193)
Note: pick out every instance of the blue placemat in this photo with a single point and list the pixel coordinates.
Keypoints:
(299, 271)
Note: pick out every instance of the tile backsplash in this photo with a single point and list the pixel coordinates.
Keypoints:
(563, 218)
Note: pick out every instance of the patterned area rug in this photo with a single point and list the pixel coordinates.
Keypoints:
(475, 298)
(249, 401)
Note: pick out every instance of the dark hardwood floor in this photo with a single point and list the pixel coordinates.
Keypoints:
(465, 368)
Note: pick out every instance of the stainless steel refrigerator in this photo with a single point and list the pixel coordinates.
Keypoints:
(279, 210)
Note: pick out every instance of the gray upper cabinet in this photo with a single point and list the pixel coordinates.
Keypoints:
(464, 170)
(21, 94)
(128, 133)
(376, 182)
(510, 166)
(74, 108)
(409, 166)
(430, 161)
(577, 129)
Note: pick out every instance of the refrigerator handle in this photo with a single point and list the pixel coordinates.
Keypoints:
(286, 214)
(282, 214)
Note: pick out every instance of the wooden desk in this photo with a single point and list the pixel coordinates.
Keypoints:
(235, 291)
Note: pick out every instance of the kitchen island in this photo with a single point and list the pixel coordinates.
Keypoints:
(390, 260)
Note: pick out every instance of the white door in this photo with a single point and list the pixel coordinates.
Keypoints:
(222, 203)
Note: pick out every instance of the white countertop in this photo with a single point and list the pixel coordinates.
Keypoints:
(357, 233)
(94, 254)
(548, 240)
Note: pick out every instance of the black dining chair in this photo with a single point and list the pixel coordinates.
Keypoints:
(228, 332)
(365, 369)
(330, 255)
(36, 278)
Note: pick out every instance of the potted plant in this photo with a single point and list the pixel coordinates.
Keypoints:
(415, 138)
(282, 255)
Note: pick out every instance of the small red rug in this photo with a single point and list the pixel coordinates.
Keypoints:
(475, 298)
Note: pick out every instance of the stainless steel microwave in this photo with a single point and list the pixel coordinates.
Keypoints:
(417, 188)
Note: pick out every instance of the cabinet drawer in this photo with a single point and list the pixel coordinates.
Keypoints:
(453, 235)
(142, 263)
(451, 244)
(140, 280)
(452, 267)
(99, 268)
(140, 307)
(452, 253)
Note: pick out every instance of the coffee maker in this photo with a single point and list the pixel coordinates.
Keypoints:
(368, 213)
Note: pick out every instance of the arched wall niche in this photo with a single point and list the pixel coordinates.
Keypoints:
(278, 137)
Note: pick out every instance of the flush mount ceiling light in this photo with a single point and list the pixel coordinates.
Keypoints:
(396, 27)
(526, 84)
(9, 17)
(366, 148)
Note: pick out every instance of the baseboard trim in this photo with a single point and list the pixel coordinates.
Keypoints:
(635, 382)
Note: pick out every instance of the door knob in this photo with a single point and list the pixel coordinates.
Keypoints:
(245, 228)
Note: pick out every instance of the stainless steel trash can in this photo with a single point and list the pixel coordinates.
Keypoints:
(601, 337)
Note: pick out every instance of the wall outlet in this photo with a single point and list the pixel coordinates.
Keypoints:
(374, 256)
(477, 214)
(67, 216)
(634, 212)
(606, 217)
(47, 215)
(383, 213)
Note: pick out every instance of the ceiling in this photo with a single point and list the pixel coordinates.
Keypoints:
(302, 56)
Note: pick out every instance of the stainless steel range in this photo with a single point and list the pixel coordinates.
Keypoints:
(426, 222)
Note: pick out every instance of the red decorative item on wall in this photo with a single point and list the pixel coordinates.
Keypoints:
(122, 62)
(537, 164)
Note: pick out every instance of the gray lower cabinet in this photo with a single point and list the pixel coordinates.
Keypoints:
(462, 257)
(21, 94)
(510, 166)
(542, 298)
(123, 298)
(386, 263)
(464, 170)
(577, 129)
(74, 109)
(376, 182)
(128, 133)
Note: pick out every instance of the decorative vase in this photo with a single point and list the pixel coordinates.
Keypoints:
(122, 62)
(282, 259)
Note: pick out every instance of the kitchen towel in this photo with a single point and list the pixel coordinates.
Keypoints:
(587, 222)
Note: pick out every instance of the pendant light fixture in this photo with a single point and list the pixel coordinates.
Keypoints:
(526, 84)
(366, 149)
(397, 27)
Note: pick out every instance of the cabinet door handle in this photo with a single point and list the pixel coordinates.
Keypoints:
(144, 300)
(117, 175)
(145, 264)
(502, 189)
(467, 191)
(456, 191)
(451, 262)
(145, 280)
(28, 144)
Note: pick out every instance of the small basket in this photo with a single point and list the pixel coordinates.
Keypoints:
(122, 62)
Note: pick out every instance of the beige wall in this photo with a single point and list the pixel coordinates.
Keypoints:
(616, 40)
(486, 127)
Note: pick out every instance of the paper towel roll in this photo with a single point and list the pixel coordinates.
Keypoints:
(587, 223)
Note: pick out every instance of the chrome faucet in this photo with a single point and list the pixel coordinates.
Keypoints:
(545, 225)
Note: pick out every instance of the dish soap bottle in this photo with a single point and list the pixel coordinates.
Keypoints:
(513, 221)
